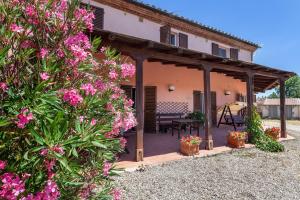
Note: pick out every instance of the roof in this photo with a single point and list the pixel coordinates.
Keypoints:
(276, 102)
(265, 77)
(192, 22)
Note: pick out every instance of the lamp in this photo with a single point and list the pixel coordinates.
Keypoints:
(171, 88)
(227, 92)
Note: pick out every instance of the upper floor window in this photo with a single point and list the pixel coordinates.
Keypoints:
(222, 52)
(173, 39)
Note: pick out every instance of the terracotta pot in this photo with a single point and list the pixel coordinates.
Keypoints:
(236, 143)
(273, 136)
(189, 149)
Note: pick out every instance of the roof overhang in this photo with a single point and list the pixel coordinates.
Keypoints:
(265, 78)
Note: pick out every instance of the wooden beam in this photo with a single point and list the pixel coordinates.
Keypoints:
(139, 59)
(282, 109)
(250, 94)
(207, 102)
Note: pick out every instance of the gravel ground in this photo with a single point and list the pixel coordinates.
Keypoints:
(242, 174)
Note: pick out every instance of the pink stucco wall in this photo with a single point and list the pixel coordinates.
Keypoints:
(186, 81)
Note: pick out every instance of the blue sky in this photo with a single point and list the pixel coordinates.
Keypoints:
(274, 24)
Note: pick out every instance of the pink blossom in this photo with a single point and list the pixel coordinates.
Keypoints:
(128, 70)
(58, 149)
(2, 164)
(12, 186)
(81, 118)
(116, 194)
(72, 97)
(50, 192)
(89, 89)
(100, 85)
(44, 152)
(44, 52)
(113, 74)
(3, 86)
(26, 44)
(17, 29)
(24, 118)
(60, 53)
(106, 167)
(31, 11)
(44, 76)
(103, 49)
(123, 142)
(86, 17)
(93, 122)
(110, 107)
(49, 164)
(129, 121)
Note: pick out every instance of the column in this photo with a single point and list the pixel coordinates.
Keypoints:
(207, 103)
(250, 93)
(282, 109)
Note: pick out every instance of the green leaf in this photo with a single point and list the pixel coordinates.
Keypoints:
(65, 164)
(4, 122)
(37, 137)
(97, 144)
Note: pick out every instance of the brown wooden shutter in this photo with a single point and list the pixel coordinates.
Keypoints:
(165, 34)
(150, 109)
(183, 40)
(214, 111)
(99, 18)
(234, 54)
(215, 49)
(197, 101)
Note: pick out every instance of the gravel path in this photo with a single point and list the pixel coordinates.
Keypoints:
(242, 174)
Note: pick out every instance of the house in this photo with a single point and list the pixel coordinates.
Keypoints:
(182, 65)
(270, 108)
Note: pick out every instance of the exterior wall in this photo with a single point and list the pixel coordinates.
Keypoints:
(186, 81)
(266, 112)
(126, 23)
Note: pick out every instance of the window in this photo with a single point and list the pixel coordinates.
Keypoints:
(173, 39)
(222, 52)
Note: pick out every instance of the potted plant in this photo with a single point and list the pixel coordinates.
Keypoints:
(273, 133)
(237, 139)
(197, 116)
(189, 145)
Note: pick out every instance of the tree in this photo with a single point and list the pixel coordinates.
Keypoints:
(61, 110)
(274, 95)
(292, 88)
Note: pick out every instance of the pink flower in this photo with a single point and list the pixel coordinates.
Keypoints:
(81, 118)
(2, 164)
(44, 76)
(128, 70)
(116, 194)
(17, 29)
(49, 164)
(58, 149)
(88, 88)
(123, 142)
(44, 152)
(24, 118)
(103, 49)
(106, 167)
(86, 17)
(3, 86)
(12, 186)
(72, 97)
(113, 74)
(93, 122)
(44, 52)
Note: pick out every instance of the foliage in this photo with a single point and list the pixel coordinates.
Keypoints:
(292, 88)
(258, 137)
(237, 135)
(273, 95)
(61, 109)
(191, 140)
(197, 116)
(274, 132)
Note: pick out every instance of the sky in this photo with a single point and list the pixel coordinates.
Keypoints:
(273, 24)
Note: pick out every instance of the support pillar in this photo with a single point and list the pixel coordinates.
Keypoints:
(282, 109)
(207, 103)
(139, 107)
(250, 93)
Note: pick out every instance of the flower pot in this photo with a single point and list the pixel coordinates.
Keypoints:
(189, 149)
(273, 133)
(236, 140)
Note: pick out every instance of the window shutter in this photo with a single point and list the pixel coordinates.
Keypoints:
(215, 49)
(99, 18)
(183, 40)
(234, 54)
(165, 32)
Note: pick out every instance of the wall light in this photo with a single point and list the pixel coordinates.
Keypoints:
(227, 92)
(171, 88)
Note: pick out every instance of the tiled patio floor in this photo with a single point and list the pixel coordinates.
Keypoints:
(163, 147)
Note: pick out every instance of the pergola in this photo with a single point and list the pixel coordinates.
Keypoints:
(258, 78)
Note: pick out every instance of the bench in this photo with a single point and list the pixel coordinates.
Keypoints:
(164, 120)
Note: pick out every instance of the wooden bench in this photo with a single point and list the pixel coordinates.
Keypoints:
(164, 120)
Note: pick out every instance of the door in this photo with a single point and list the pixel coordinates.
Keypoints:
(150, 109)
(198, 99)
(214, 112)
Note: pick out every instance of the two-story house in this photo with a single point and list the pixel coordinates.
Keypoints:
(181, 65)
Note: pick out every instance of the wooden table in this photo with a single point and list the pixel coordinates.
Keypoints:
(179, 123)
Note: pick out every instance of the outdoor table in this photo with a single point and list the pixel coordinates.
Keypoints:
(179, 123)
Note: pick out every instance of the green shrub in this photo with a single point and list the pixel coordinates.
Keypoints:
(258, 137)
(197, 116)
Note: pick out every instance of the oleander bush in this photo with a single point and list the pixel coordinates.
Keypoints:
(258, 137)
(61, 109)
